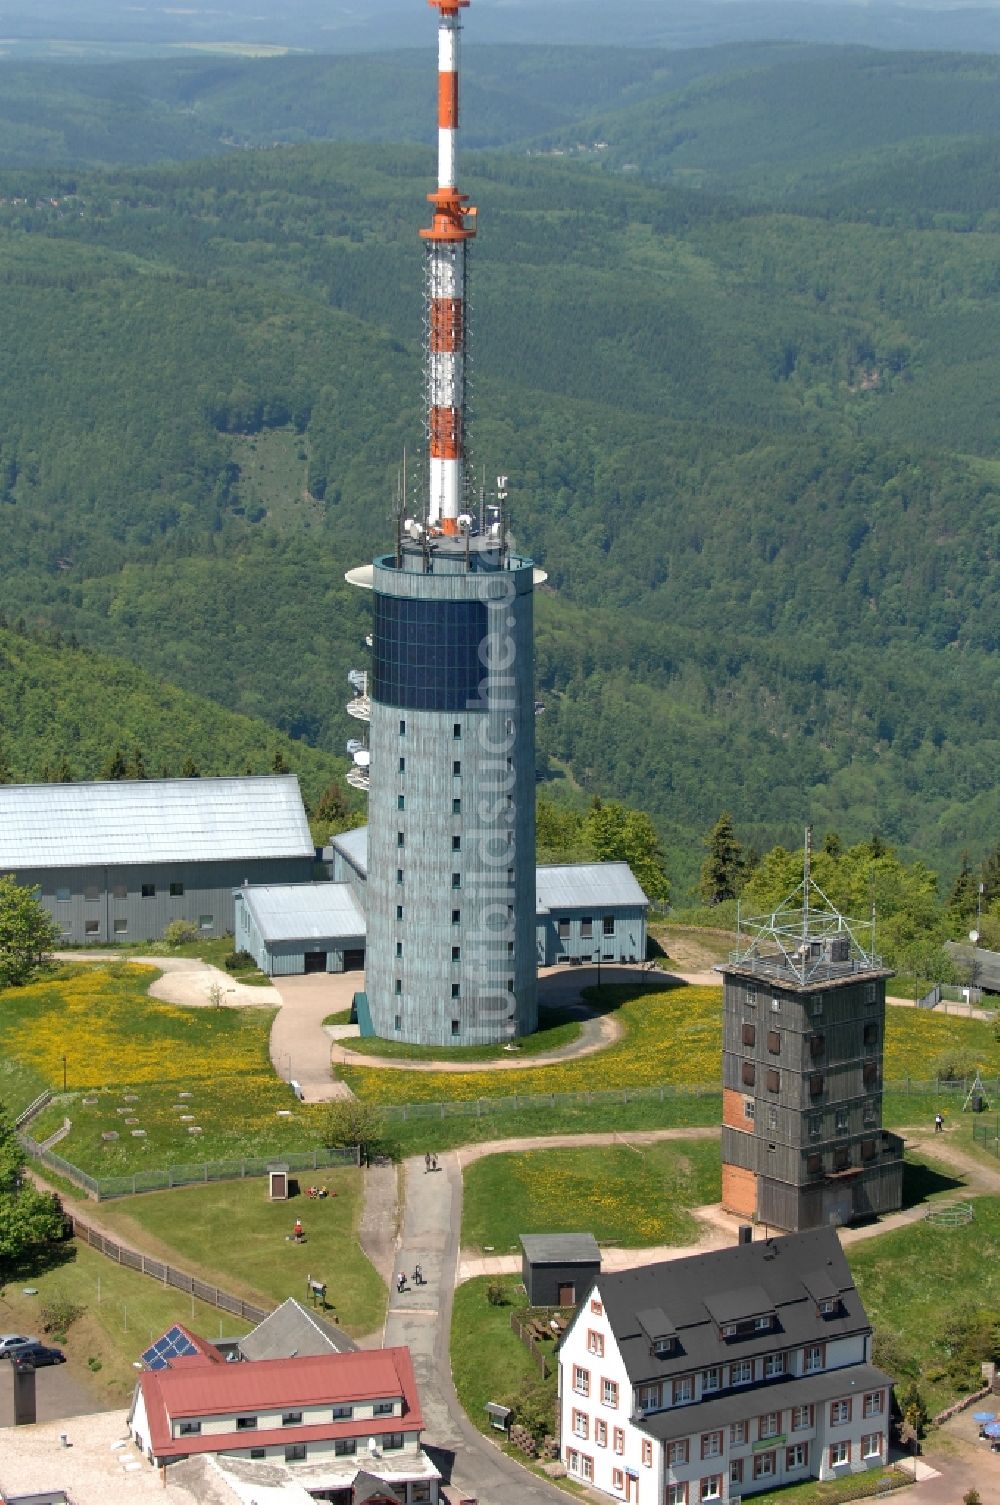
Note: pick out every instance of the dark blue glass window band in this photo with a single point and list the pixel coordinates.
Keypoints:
(426, 654)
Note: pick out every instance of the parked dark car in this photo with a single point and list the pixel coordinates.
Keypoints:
(38, 1354)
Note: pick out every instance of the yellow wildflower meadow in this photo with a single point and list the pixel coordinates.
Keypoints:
(110, 1033)
(672, 1037)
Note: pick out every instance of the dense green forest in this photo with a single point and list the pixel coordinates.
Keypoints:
(755, 445)
(67, 713)
(758, 119)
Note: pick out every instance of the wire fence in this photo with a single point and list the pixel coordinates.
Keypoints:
(484, 1107)
(988, 1135)
(105, 1188)
(158, 1270)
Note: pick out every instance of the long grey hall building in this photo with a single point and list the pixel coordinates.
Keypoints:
(118, 860)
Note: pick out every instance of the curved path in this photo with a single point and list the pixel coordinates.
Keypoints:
(187, 980)
(597, 1032)
(420, 1317)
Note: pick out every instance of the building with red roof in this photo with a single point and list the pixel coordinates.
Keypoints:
(346, 1426)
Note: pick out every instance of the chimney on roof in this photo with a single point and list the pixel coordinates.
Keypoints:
(745, 1234)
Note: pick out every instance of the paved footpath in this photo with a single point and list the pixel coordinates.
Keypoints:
(420, 1317)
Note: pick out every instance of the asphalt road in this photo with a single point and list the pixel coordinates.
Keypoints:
(58, 1394)
(421, 1318)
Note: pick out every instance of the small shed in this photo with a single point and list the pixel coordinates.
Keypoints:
(277, 1183)
(558, 1268)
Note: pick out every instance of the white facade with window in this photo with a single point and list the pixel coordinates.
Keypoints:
(790, 1410)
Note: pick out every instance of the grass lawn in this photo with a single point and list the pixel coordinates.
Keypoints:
(626, 1196)
(207, 949)
(672, 1035)
(123, 1311)
(833, 1491)
(343, 1016)
(129, 1057)
(232, 1235)
(20, 1084)
(554, 1030)
(488, 1362)
(914, 1279)
(433, 1128)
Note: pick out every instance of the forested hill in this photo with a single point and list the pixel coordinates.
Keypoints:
(69, 29)
(755, 447)
(758, 118)
(67, 713)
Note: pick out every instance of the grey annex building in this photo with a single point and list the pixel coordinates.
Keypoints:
(117, 861)
(583, 912)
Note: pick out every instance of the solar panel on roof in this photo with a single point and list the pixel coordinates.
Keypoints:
(174, 1344)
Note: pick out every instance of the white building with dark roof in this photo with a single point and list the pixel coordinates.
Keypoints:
(118, 860)
(722, 1374)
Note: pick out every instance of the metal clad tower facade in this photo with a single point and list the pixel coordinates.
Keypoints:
(803, 1038)
(449, 701)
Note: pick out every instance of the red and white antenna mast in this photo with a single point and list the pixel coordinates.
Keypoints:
(453, 225)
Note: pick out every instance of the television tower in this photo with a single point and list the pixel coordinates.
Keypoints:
(449, 764)
(453, 226)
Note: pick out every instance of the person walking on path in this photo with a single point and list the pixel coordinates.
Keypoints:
(938, 1123)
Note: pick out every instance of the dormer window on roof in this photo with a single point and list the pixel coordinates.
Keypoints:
(821, 1287)
(660, 1331)
(743, 1312)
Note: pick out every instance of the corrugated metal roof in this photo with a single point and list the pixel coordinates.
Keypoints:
(151, 820)
(303, 911)
(578, 885)
(354, 846)
(279, 1384)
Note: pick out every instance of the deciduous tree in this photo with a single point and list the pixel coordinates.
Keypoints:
(27, 931)
(350, 1121)
(616, 834)
(30, 1220)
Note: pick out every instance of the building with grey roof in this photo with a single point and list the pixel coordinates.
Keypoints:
(723, 1374)
(119, 860)
(290, 928)
(978, 967)
(584, 912)
(558, 1267)
(589, 911)
(292, 1330)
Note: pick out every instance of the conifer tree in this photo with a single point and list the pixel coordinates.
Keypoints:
(723, 870)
